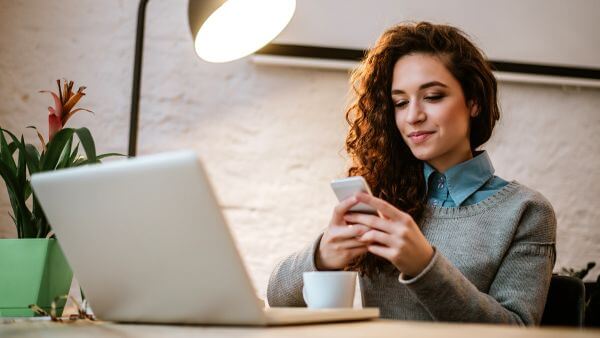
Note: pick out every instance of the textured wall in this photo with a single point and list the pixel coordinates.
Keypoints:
(271, 137)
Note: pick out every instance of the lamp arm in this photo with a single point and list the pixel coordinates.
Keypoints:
(137, 75)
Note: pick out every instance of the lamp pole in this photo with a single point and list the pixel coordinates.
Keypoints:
(137, 75)
(198, 12)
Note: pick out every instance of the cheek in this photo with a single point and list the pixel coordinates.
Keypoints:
(454, 120)
(398, 119)
(400, 123)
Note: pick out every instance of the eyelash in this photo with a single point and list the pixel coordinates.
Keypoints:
(432, 98)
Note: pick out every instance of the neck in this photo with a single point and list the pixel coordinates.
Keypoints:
(445, 162)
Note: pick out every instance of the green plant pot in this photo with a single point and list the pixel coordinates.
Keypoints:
(32, 271)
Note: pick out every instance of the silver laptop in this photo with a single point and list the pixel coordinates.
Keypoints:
(147, 241)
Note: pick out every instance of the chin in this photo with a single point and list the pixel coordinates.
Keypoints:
(423, 154)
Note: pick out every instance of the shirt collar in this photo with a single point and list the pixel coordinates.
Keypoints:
(465, 178)
(427, 172)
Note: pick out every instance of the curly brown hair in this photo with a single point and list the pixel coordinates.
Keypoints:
(374, 144)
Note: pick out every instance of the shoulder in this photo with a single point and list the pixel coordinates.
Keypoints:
(513, 197)
(536, 216)
(531, 198)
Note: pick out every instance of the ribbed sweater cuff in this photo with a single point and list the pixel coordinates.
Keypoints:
(411, 280)
(439, 272)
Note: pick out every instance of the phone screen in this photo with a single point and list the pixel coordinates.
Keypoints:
(347, 187)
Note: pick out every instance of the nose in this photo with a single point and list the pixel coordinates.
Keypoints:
(415, 113)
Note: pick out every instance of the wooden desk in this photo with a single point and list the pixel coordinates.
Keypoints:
(376, 328)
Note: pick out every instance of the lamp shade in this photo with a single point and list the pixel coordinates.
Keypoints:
(226, 30)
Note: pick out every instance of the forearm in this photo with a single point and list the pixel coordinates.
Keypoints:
(516, 297)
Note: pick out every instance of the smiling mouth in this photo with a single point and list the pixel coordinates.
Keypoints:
(420, 137)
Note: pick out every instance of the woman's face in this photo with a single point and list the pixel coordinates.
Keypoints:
(430, 110)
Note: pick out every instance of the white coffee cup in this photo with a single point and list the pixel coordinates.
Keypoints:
(329, 289)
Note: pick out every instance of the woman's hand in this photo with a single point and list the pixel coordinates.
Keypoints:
(340, 245)
(395, 236)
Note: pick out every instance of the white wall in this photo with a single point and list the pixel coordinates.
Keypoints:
(535, 34)
(271, 137)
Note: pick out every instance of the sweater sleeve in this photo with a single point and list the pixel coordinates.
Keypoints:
(285, 283)
(518, 292)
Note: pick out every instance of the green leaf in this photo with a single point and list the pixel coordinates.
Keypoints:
(100, 157)
(74, 155)
(12, 217)
(65, 156)
(55, 148)
(33, 159)
(12, 147)
(88, 144)
(40, 137)
(15, 140)
(5, 153)
(26, 224)
(17, 198)
(110, 154)
(40, 217)
(80, 161)
(27, 191)
(22, 166)
(15, 207)
(40, 228)
(12, 136)
(10, 178)
(22, 182)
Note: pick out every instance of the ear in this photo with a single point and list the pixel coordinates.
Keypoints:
(473, 109)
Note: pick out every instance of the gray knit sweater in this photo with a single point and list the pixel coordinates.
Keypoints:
(493, 263)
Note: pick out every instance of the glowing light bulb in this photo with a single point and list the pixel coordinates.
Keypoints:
(241, 27)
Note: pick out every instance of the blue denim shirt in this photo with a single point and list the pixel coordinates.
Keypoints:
(466, 183)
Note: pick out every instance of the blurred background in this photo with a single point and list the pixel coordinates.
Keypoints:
(271, 137)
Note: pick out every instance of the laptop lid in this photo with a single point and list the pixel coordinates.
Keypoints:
(147, 241)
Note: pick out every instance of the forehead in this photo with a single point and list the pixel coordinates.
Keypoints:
(410, 71)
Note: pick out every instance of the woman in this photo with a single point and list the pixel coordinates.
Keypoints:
(455, 242)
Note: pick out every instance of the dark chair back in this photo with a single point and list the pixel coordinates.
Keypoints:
(565, 304)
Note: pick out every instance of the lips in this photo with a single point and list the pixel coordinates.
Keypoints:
(419, 136)
(417, 133)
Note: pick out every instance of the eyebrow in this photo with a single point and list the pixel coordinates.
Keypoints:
(421, 87)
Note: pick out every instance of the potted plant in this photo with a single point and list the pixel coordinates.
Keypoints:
(34, 269)
(592, 294)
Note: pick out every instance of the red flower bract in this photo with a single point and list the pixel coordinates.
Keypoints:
(64, 104)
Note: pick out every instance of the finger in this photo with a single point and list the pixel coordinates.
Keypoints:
(378, 237)
(381, 251)
(350, 244)
(370, 221)
(342, 208)
(384, 207)
(353, 253)
(348, 232)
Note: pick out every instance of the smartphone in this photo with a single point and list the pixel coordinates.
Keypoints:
(347, 187)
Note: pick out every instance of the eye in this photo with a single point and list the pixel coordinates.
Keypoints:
(400, 104)
(434, 97)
